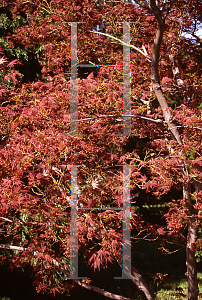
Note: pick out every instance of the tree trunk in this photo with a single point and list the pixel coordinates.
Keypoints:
(192, 228)
(191, 263)
(190, 253)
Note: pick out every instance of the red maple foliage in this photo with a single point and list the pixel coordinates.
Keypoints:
(37, 149)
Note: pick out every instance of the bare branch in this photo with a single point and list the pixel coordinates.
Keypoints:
(160, 121)
(30, 223)
(6, 219)
(144, 53)
(10, 247)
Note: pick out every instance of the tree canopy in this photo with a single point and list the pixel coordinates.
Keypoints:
(49, 151)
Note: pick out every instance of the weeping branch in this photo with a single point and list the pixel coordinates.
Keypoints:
(78, 281)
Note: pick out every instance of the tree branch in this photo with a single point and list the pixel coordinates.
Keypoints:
(167, 10)
(192, 227)
(138, 280)
(177, 76)
(160, 121)
(30, 223)
(144, 52)
(78, 281)
(169, 48)
(156, 83)
(143, 4)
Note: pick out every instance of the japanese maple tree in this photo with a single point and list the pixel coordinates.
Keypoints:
(37, 149)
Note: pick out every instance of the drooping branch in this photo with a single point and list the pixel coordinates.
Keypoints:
(91, 287)
(137, 278)
(78, 281)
